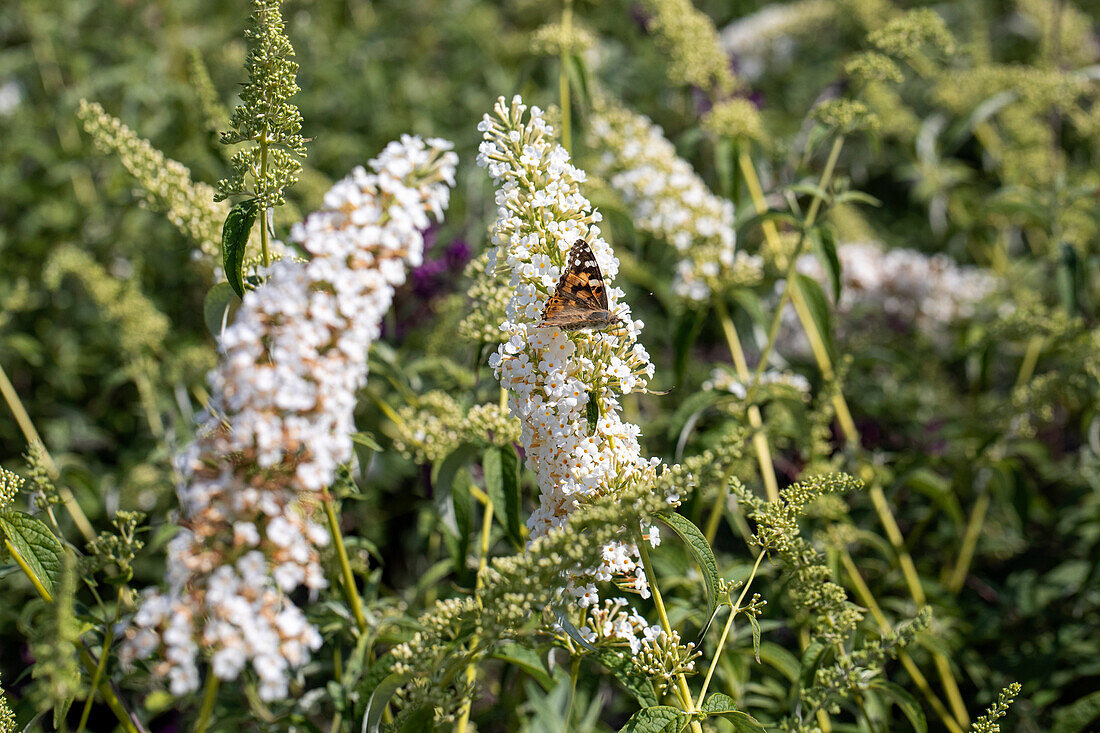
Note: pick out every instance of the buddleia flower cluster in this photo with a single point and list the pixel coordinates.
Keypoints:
(988, 722)
(514, 592)
(437, 424)
(280, 426)
(766, 40)
(902, 288)
(565, 387)
(489, 291)
(7, 717)
(725, 381)
(817, 599)
(165, 183)
(854, 672)
(668, 200)
(265, 118)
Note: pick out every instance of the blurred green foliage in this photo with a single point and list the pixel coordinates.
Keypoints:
(986, 441)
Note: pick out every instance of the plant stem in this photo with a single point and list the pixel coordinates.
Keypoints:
(1031, 358)
(970, 541)
(756, 421)
(351, 591)
(108, 640)
(90, 665)
(651, 577)
(865, 596)
(563, 78)
(29, 432)
(916, 590)
(574, 671)
(209, 697)
(817, 344)
(726, 630)
(264, 246)
(471, 668)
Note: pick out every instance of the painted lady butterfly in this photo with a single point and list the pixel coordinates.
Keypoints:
(580, 299)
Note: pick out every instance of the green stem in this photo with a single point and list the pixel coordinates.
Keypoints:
(108, 641)
(1031, 358)
(574, 672)
(756, 420)
(734, 609)
(483, 560)
(868, 599)
(916, 591)
(209, 697)
(351, 591)
(264, 235)
(90, 665)
(651, 577)
(777, 319)
(970, 541)
(563, 77)
(31, 434)
(817, 344)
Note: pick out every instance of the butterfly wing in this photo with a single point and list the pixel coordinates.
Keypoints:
(582, 278)
(580, 294)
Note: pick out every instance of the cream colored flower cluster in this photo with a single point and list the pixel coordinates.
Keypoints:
(284, 392)
(566, 387)
(900, 289)
(668, 200)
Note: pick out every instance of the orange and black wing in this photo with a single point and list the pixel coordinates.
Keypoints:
(579, 292)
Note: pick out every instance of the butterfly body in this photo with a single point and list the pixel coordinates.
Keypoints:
(580, 299)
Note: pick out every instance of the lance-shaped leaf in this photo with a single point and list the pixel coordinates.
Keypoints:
(700, 548)
(238, 225)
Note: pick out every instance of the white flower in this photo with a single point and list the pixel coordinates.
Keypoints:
(283, 396)
(897, 288)
(553, 376)
(668, 200)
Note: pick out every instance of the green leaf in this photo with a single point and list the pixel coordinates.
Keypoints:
(719, 704)
(700, 548)
(755, 636)
(657, 719)
(379, 697)
(578, 76)
(61, 710)
(238, 225)
(819, 309)
(451, 495)
(938, 489)
(528, 660)
(218, 307)
(812, 658)
(592, 411)
(501, 466)
(825, 248)
(629, 676)
(858, 197)
(783, 661)
(572, 632)
(35, 543)
(756, 220)
(1076, 717)
(904, 700)
(367, 440)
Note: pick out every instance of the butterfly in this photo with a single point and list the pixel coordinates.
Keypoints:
(580, 299)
